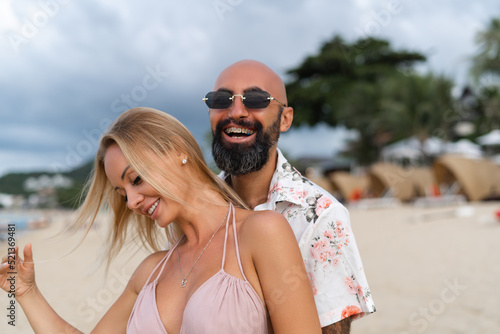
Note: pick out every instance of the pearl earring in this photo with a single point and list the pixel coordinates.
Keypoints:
(184, 161)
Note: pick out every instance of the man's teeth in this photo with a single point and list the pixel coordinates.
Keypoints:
(153, 207)
(247, 132)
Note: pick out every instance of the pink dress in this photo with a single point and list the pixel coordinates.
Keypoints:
(223, 304)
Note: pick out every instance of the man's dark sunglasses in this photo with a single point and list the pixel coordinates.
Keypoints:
(251, 100)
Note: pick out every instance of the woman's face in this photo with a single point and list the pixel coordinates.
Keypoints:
(139, 195)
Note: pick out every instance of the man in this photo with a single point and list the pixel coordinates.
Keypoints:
(248, 109)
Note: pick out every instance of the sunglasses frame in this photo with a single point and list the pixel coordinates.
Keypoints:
(243, 98)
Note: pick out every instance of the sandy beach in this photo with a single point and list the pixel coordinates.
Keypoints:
(430, 270)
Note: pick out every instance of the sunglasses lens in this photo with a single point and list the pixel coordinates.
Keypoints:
(218, 100)
(256, 100)
(252, 100)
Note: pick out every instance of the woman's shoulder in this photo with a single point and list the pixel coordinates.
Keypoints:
(266, 234)
(265, 226)
(266, 219)
(145, 268)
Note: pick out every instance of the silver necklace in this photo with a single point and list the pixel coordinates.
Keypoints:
(184, 278)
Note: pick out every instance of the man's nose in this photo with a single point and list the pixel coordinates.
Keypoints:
(237, 109)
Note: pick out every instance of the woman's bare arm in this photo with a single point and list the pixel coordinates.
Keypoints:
(44, 319)
(283, 277)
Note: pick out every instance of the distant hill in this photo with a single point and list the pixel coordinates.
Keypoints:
(13, 183)
(81, 174)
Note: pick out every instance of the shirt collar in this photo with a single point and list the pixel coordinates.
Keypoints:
(286, 183)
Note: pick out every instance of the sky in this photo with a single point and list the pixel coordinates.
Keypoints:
(68, 68)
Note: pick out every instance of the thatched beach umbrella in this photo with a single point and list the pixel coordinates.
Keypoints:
(477, 179)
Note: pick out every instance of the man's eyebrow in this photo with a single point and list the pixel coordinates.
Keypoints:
(222, 89)
(249, 89)
(253, 89)
(124, 171)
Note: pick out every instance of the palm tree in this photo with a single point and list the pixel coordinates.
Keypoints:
(487, 60)
(485, 71)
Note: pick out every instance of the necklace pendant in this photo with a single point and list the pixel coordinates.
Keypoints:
(183, 283)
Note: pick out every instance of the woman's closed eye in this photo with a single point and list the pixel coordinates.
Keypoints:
(137, 181)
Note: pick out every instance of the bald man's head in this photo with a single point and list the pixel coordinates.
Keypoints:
(251, 73)
(246, 136)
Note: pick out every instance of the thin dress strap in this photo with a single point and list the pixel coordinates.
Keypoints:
(225, 238)
(163, 262)
(231, 207)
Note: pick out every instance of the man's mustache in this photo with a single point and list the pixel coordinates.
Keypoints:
(257, 126)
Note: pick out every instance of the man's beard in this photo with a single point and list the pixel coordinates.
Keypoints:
(241, 159)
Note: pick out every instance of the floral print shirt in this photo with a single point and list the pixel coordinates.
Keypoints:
(323, 230)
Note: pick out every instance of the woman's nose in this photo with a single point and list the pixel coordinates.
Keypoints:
(134, 200)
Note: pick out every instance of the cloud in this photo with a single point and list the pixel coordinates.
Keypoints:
(74, 59)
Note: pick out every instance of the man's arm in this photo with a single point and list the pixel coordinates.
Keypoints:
(340, 327)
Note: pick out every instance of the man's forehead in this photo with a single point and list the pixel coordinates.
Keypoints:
(246, 75)
(249, 73)
(241, 85)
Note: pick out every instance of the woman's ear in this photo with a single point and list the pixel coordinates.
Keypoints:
(182, 157)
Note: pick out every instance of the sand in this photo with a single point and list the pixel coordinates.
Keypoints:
(430, 270)
(438, 275)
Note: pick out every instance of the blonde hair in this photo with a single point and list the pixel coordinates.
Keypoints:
(143, 135)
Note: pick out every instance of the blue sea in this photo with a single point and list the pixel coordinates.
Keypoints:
(20, 220)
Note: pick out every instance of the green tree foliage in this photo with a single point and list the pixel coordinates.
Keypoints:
(487, 60)
(485, 72)
(369, 87)
(13, 183)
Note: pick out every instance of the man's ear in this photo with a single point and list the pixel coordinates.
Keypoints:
(286, 119)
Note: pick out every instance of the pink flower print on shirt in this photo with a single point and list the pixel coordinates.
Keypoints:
(301, 194)
(360, 292)
(322, 251)
(340, 230)
(328, 246)
(351, 287)
(322, 204)
(318, 249)
(349, 311)
(276, 187)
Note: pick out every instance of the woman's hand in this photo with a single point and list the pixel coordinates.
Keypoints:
(17, 276)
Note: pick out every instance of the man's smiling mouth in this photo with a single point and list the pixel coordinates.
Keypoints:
(238, 132)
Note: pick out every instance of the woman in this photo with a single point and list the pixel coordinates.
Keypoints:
(229, 270)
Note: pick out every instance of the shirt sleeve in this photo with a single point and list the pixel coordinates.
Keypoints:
(334, 267)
